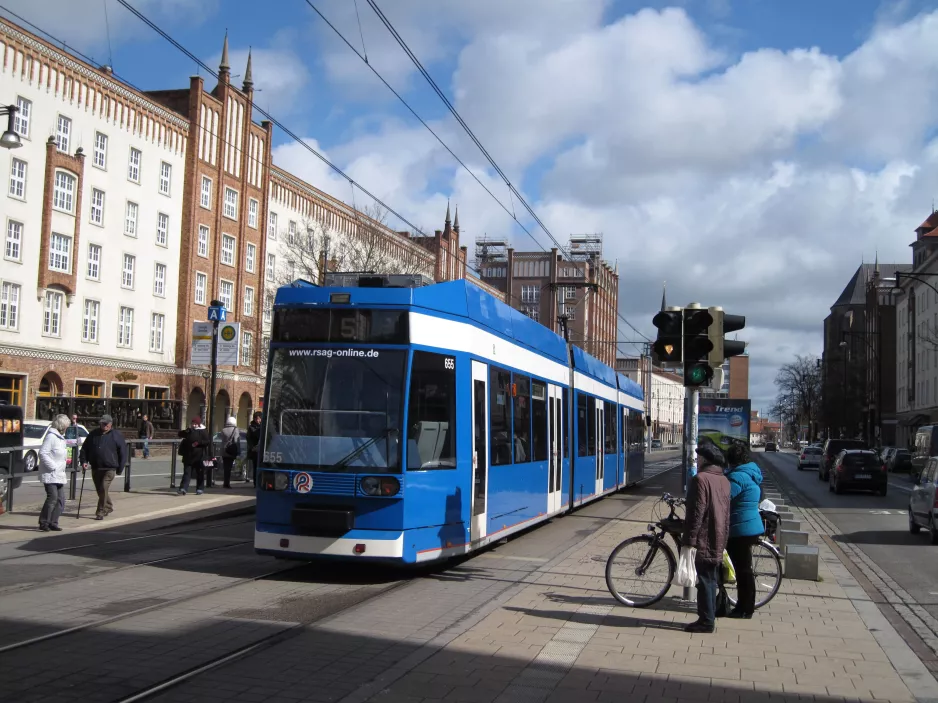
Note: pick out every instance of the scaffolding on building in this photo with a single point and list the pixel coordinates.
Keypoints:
(586, 247)
(489, 251)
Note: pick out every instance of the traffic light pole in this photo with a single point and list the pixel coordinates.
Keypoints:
(690, 456)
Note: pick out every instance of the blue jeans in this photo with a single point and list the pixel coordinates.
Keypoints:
(707, 579)
(146, 448)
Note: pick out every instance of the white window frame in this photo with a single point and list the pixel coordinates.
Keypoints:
(17, 187)
(63, 195)
(93, 262)
(200, 290)
(134, 165)
(52, 313)
(250, 258)
(162, 229)
(202, 246)
(131, 218)
(268, 308)
(159, 282)
(270, 270)
(228, 247)
(96, 211)
(63, 133)
(10, 295)
(90, 324)
(248, 304)
(13, 241)
(59, 260)
(157, 329)
(125, 327)
(21, 118)
(291, 232)
(166, 178)
(229, 304)
(100, 151)
(247, 348)
(253, 210)
(230, 209)
(272, 226)
(205, 196)
(128, 275)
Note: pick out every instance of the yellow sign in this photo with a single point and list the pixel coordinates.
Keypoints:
(228, 333)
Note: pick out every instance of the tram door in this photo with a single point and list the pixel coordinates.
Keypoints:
(480, 449)
(555, 399)
(626, 446)
(600, 447)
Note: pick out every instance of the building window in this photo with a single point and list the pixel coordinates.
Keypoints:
(97, 206)
(569, 293)
(530, 294)
(268, 309)
(156, 332)
(14, 243)
(247, 349)
(63, 130)
(133, 166)
(432, 412)
(248, 301)
(265, 346)
(231, 204)
(250, 258)
(130, 219)
(200, 284)
(100, 150)
(52, 314)
(18, 179)
(89, 328)
(271, 266)
(206, 200)
(9, 306)
(159, 280)
(125, 327)
(203, 241)
(532, 312)
(227, 249)
(162, 229)
(226, 294)
(127, 273)
(252, 213)
(21, 118)
(166, 177)
(60, 250)
(291, 232)
(88, 389)
(63, 193)
(94, 262)
(272, 226)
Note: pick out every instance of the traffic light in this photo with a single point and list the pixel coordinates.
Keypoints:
(668, 345)
(724, 348)
(697, 347)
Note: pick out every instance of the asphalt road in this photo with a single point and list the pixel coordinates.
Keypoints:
(877, 526)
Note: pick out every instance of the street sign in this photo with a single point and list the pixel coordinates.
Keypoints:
(217, 314)
(229, 344)
(201, 344)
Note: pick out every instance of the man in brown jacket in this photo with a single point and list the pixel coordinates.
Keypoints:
(707, 528)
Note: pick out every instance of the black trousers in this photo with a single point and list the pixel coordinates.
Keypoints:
(199, 471)
(740, 551)
(227, 463)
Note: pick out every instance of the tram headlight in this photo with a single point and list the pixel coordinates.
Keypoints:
(281, 481)
(386, 486)
(275, 480)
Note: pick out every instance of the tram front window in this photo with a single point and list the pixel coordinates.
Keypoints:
(335, 409)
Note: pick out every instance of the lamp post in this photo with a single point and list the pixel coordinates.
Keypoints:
(10, 139)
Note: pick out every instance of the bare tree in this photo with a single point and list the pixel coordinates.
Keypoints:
(799, 392)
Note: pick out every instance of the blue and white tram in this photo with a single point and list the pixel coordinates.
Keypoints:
(415, 424)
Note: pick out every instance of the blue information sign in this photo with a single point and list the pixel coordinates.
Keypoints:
(217, 314)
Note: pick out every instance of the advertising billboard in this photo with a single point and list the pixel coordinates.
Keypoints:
(723, 422)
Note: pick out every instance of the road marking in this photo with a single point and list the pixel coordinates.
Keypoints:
(883, 512)
(900, 488)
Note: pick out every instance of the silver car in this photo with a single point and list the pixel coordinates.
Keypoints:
(923, 511)
(810, 456)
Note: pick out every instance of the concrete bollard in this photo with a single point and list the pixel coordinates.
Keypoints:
(789, 538)
(790, 525)
(801, 562)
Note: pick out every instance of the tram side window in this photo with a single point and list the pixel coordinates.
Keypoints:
(500, 413)
(431, 440)
(609, 417)
(521, 401)
(585, 425)
(636, 431)
(565, 412)
(539, 434)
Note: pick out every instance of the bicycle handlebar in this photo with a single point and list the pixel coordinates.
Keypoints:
(672, 500)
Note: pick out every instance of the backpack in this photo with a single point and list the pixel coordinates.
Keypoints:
(233, 446)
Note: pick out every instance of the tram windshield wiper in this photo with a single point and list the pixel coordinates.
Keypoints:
(358, 451)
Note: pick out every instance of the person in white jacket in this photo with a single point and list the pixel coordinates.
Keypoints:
(52, 475)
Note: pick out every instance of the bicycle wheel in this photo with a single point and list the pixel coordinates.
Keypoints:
(767, 569)
(639, 571)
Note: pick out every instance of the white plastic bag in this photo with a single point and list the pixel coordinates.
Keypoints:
(767, 505)
(686, 570)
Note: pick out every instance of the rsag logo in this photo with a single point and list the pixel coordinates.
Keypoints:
(302, 483)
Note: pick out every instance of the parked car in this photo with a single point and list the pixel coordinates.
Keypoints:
(900, 460)
(858, 470)
(925, 447)
(923, 509)
(771, 447)
(34, 432)
(810, 456)
(656, 444)
(832, 448)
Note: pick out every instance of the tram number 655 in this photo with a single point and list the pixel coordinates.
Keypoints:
(273, 457)
(449, 364)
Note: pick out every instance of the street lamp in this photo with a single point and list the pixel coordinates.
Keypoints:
(10, 139)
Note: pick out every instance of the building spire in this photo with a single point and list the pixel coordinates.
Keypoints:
(447, 221)
(224, 66)
(664, 299)
(456, 221)
(248, 75)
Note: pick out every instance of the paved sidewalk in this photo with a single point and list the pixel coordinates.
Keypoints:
(563, 638)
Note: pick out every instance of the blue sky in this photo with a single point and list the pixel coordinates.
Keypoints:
(750, 152)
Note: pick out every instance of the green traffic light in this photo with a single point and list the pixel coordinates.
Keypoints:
(697, 375)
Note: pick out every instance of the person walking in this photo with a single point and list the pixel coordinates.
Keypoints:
(52, 458)
(746, 526)
(146, 434)
(706, 529)
(105, 452)
(230, 447)
(254, 441)
(196, 449)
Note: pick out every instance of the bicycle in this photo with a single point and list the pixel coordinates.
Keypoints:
(646, 563)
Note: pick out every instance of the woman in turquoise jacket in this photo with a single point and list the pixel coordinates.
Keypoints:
(746, 526)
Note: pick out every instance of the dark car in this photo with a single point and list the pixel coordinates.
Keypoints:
(832, 448)
(858, 470)
(771, 447)
(899, 460)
